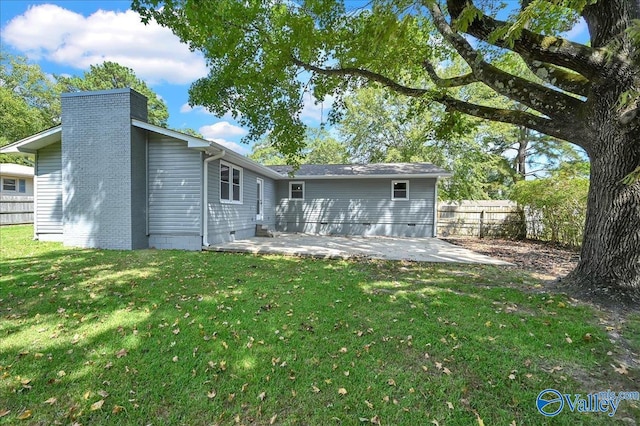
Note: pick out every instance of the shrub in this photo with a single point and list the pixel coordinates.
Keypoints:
(555, 207)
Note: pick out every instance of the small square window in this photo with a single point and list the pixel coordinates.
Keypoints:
(400, 190)
(296, 190)
(8, 184)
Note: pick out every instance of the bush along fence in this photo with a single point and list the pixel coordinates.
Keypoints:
(556, 208)
(504, 218)
(16, 209)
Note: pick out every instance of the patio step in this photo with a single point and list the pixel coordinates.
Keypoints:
(264, 231)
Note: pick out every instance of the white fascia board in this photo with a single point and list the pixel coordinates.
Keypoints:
(192, 141)
(31, 144)
(240, 160)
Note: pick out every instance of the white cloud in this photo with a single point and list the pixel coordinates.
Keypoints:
(199, 109)
(314, 111)
(233, 146)
(59, 35)
(186, 108)
(221, 130)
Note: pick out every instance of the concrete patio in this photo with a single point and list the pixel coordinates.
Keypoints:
(389, 248)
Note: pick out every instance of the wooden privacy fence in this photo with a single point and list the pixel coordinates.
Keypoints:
(16, 209)
(496, 218)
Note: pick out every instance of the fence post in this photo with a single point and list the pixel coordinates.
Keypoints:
(482, 224)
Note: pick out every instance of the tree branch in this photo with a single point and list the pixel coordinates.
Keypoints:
(458, 81)
(588, 61)
(369, 75)
(565, 80)
(519, 118)
(540, 98)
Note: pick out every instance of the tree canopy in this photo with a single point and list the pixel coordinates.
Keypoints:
(110, 75)
(320, 148)
(29, 102)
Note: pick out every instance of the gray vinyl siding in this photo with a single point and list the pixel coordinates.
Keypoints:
(357, 207)
(229, 221)
(48, 198)
(174, 189)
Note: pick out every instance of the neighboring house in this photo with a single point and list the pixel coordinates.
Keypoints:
(16, 179)
(106, 178)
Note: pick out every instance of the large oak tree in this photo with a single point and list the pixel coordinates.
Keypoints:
(263, 54)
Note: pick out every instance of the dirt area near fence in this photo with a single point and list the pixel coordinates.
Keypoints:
(546, 261)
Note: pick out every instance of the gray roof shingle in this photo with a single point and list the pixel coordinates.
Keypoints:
(380, 169)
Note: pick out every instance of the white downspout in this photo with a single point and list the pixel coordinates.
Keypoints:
(435, 208)
(205, 198)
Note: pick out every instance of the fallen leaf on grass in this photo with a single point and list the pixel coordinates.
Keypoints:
(315, 389)
(117, 409)
(51, 401)
(4, 412)
(621, 370)
(97, 405)
(342, 391)
(103, 393)
(446, 371)
(273, 419)
(122, 352)
(450, 405)
(24, 415)
(212, 394)
(262, 396)
(391, 382)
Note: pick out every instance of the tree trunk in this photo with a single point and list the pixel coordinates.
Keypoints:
(609, 266)
(521, 159)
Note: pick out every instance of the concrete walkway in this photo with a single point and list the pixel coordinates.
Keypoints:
(390, 248)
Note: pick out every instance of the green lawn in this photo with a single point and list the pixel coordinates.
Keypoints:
(172, 337)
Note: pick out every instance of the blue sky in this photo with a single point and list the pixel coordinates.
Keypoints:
(66, 37)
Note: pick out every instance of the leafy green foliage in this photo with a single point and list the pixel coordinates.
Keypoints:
(320, 148)
(379, 126)
(121, 337)
(110, 75)
(29, 102)
(250, 46)
(556, 205)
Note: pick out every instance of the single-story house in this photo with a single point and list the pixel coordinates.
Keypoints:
(107, 178)
(16, 179)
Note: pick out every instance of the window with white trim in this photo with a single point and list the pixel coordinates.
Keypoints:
(296, 190)
(9, 185)
(230, 183)
(22, 185)
(400, 190)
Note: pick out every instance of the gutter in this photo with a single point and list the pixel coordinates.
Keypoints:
(205, 197)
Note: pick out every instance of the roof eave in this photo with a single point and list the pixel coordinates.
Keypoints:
(209, 147)
(376, 176)
(31, 144)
